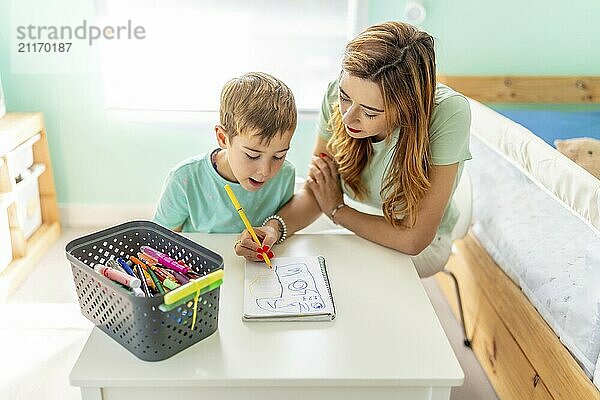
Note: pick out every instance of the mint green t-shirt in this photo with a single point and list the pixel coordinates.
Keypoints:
(193, 195)
(449, 144)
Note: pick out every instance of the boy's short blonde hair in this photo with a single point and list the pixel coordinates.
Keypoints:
(257, 101)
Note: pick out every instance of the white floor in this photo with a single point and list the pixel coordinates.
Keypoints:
(42, 333)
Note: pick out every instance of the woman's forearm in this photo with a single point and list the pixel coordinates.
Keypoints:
(376, 229)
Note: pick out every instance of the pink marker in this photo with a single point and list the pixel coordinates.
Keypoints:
(118, 276)
(164, 259)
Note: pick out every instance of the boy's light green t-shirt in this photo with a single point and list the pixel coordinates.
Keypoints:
(193, 195)
(449, 132)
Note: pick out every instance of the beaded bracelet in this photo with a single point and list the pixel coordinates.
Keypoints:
(335, 210)
(282, 229)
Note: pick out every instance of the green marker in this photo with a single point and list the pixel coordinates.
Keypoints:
(169, 284)
(159, 286)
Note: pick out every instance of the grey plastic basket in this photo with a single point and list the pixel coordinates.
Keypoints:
(136, 322)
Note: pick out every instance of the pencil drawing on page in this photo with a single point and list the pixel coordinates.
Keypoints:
(296, 292)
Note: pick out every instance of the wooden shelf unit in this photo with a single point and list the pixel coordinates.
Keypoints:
(15, 129)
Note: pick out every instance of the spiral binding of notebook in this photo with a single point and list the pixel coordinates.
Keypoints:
(326, 279)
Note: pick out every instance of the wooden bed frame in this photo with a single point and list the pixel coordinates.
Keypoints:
(526, 89)
(521, 355)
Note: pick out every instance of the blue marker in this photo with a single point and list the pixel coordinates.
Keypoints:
(126, 267)
(114, 264)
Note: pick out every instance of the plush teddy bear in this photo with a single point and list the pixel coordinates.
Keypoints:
(584, 151)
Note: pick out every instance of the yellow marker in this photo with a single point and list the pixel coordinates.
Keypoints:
(242, 214)
(194, 286)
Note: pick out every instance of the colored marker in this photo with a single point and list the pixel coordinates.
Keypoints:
(118, 276)
(137, 261)
(144, 271)
(194, 275)
(159, 286)
(242, 214)
(168, 273)
(157, 275)
(125, 266)
(138, 292)
(149, 281)
(134, 291)
(180, 277)
(115, 265)
(214, 285)
(142, 278)
(193, 287)
(167, 282)
(164, 259)
(146, 258)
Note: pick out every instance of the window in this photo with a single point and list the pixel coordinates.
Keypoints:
(192, 48)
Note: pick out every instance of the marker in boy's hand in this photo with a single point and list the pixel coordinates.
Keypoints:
(246, 247)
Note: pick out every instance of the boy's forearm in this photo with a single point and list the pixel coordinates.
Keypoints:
(301, 211)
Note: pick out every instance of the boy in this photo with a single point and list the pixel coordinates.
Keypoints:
(257, 121)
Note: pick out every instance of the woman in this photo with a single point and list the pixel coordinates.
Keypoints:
(390, 138)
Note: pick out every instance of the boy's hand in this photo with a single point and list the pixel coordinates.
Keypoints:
(246, 247)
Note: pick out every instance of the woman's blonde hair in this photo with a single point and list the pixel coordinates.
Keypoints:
(400, 59)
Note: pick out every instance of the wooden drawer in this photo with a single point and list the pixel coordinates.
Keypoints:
(27, 211)
(20, 159)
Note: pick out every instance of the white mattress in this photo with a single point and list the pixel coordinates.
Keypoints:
(536, 213)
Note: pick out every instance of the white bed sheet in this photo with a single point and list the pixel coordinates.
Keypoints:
(550, 253)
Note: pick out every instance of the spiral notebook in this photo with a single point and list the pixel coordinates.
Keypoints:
(295, 289)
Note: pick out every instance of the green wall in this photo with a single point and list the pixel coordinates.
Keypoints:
(101, 160)
(532, 37)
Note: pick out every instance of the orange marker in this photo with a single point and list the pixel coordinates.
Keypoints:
(144, 269)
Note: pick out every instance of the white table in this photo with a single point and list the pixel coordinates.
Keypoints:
(385, 343)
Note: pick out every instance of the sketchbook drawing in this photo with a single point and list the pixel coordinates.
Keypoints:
(297, 288)
(298, 291)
